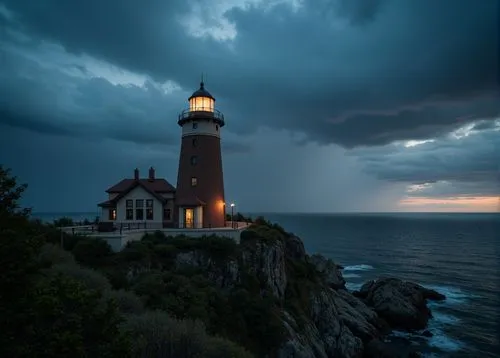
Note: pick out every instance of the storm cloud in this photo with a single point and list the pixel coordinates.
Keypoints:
(346, 77)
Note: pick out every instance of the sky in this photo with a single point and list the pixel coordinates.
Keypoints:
(330, 105)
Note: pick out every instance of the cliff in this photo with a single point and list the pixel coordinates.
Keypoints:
(298, 302)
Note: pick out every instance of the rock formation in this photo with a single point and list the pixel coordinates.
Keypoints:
(320, 316)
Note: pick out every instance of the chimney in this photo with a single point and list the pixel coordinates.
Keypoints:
(151, 173)
(136, 174)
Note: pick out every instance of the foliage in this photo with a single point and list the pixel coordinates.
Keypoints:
(50, 315)
(64, 221)
(90, 278)
(11, 214)
(158, 335)
(69, 320)
(239, 217)
(127, 302)
(262, 232)
(92, 252)
(51, 254)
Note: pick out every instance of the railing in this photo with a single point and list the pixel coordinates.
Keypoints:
(208, 112)
(121, 227)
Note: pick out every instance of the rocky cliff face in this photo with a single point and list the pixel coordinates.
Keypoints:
(320, 317)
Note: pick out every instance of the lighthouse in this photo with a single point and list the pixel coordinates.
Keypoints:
(200, 183)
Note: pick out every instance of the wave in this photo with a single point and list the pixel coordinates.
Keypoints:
(351, 275)
(361, 267)
(353, 286)
(454, 295)
(440, 322)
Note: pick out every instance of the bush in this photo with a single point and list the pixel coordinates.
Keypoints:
(92, 252)
(51, 254)
(127, 301)
(91, 279)
(220, 347)
(158, 335)
(261, 232)
(64, 221)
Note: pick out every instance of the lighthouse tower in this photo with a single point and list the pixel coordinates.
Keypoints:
(200, 183)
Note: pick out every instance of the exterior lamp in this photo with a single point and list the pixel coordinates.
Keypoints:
(232, 215)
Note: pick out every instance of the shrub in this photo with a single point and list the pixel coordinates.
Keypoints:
(91, 279)
(92, 251)
(127, 301)
(64, 221)
(158, 335)
(51, 254)
(217, 347)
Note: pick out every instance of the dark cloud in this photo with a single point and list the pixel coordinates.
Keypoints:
(359, 12)
(428, 55)
(469, 165)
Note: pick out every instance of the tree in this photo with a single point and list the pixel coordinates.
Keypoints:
(11, 213)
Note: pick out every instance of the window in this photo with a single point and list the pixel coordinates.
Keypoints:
(139, 214)
(149, 209)
(130, 214)
(194, 181)
(130, 203)
(112, 214)
(139, 203)
(195, 142)
(217, 127)
(167, 214)
(195, 125)
(194, 160)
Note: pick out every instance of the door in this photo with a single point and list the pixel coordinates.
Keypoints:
(189, 218)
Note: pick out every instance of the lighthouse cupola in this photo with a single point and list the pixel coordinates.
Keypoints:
(201, 107)
(201, 100)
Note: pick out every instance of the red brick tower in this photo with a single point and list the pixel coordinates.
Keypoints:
(200, 183)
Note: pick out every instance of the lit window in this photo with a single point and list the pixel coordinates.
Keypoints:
(112, 214)
(201, 104)
(194, 181)
(194, 160)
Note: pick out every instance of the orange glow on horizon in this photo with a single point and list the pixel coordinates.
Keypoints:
(448, 204)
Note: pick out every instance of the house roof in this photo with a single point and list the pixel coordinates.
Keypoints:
(153, 186)
(106, 204)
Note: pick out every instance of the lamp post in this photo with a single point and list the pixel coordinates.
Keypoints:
(232, 215)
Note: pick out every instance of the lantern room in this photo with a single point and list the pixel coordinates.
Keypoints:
(201, 100)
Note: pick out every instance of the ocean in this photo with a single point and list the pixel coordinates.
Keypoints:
(455, 254)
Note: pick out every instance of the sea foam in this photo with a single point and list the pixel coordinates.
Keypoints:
(361, 267)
